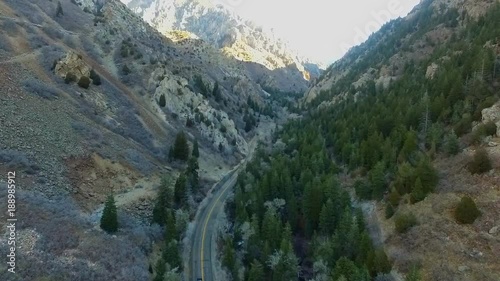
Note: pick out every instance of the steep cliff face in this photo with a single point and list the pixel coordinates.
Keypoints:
(236, 37)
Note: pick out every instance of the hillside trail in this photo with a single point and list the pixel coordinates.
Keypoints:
(23, 57)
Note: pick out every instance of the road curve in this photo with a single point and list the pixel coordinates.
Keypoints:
(203, 249)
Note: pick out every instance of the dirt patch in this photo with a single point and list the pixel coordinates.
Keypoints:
(93, 178)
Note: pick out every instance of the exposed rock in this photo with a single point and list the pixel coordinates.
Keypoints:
(213, 124)
(494, 230)
(463, 268)
(72, 63)
(492, 114)
(431, 71)
(237, 37)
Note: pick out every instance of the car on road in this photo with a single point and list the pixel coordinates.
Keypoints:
(199, 279)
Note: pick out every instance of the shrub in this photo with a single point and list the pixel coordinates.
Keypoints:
(53, 32)
(10, 27)
(41, 89)
(389, 211)
(96, 78)
(16, 159)
(483, 130)
(490, 128)
(70, 78)
(139, 161)
(84, 82)
(126, 70)
(414, 274)
(481, 162)
(463, 126)
(4, 43)
(466, 212)
(404, 222)
(363, 190)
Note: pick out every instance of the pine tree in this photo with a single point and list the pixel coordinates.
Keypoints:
(192, 173)
(170, 227)
(196, 151)
(162, 102)
(256, 272)
(109, 219)
(327, 218)
(171, 254)
(171, 153)
(452, 145)
(160, 269)
(417, 193)
(180, 191)
(181, 147)
(59, 9)
(377, 180)
(382, 263)
(164, 201)
(229, 257)
(271, 229)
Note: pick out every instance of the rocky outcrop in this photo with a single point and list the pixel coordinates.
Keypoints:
(74, 64)
(492, 114)
(431, 71)
(214, 125)
(237, 38)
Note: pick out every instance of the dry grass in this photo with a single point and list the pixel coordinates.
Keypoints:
(445, 249)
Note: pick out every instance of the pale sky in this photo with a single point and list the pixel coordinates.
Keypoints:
(321, 29)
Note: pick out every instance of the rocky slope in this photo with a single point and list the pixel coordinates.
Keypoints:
(237, 37)
(82, 117)
(384, 55)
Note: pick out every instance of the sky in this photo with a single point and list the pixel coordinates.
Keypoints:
(322, 30)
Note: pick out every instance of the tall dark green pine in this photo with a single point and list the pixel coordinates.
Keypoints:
(171, 254)
(377, 180)
(180, 190)
(181, 147)
(59, 9)
(256, 272)
(164, 201)
(109, 219)
(162, 102)
(192, 173)
(196, 151)
(160, 269)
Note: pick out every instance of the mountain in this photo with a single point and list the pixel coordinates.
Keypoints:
(411, 117)
(235, 36)
(403, 41)
(93, 100)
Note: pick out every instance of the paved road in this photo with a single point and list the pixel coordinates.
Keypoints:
(203, 249)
